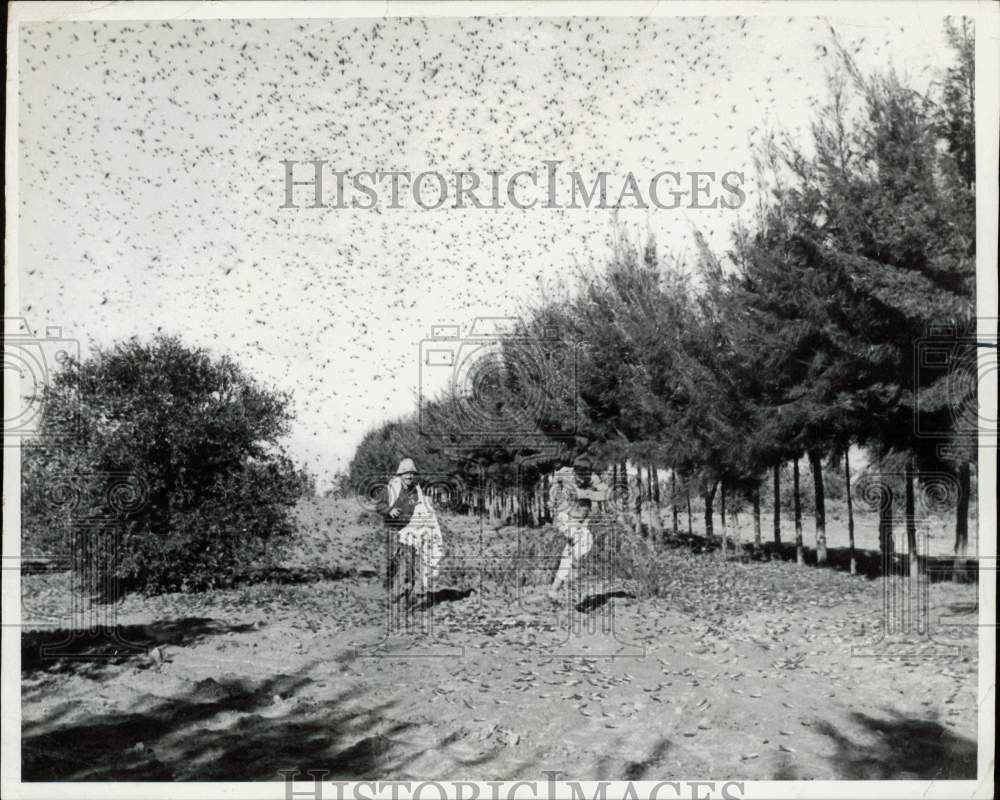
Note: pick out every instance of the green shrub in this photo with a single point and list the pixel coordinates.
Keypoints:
(176, 455)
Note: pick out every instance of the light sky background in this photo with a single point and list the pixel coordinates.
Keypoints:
(151, 183)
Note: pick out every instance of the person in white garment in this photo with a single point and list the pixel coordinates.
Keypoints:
(575, 492)
(412, 529)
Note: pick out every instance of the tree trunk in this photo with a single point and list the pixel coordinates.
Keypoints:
(639, 502)
(653, 500)
(816, 462)
(722, 503)
(756, 515)
(687, 492)
(614, 478)
(799, 555)
(850, 514)
(673, 497)
(657, 522)
(962, 520)
(777, 503)
(911, 528)
(722, 508)
(709, 496)
(886, 544)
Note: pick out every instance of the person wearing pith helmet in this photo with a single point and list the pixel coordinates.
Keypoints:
(396, 507)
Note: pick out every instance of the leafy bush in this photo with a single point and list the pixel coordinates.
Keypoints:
(176, 455)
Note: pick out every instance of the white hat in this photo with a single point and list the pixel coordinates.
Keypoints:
(405, 466)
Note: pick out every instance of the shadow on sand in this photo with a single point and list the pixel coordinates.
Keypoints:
(230, 729)
(596, 601)
(906, 748)
(89, 651)
(148, 745)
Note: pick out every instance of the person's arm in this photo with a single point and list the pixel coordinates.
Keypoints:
(383, 504)
(424, 499)
(596, 493)
(388, 496)
(562, 488)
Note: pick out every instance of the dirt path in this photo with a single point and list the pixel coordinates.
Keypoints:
(500, 687)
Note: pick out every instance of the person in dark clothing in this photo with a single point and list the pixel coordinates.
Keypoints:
(396, 507)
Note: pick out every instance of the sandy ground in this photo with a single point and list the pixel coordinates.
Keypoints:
(738, 670)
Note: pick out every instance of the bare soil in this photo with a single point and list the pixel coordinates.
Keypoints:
(750, 670)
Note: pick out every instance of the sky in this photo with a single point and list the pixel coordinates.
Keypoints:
(151, 178)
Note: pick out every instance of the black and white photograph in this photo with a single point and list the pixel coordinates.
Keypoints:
(500, 401)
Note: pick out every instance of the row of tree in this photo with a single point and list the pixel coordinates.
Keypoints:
(843, 317)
